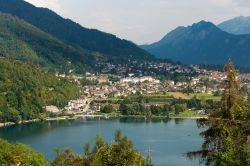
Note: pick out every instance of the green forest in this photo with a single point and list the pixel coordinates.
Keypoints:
(25, 90)
(22, 41)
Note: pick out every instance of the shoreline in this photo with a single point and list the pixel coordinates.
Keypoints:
(106, 116)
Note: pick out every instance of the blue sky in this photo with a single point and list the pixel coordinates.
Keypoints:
(144, 21)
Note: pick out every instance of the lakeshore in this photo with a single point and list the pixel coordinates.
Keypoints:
(103, 116)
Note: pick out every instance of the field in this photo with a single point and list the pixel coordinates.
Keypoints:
(179, 95)
(188, 114)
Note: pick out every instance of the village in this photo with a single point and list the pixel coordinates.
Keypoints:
(124, 83)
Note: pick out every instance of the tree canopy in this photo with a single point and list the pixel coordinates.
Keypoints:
(19, 155)
(226, 139)
(25, 90)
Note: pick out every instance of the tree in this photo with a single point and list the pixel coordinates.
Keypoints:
(107, 109)
(123, 109)
(230, 94)
(149, 161)
(120, 152)
(19, 154)
(99, 141)
(226, 138)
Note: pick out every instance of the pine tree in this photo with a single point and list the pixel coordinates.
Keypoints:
(149, 161)
(230, 95)
(228, 127)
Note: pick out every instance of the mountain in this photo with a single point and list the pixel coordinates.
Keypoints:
(73, 33)
(237, 25)
(26, 89)
(22, 41)
(202, 43)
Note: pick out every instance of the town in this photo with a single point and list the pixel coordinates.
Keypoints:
(145, 79)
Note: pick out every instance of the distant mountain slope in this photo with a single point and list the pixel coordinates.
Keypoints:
(237, 25)
(202, 43)
(71, 32)
(22, 41)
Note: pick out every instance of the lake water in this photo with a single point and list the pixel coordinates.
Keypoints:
(168, 140)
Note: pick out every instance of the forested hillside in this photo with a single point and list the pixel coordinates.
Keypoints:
(73, 33)
(24, 90)
(22, 41)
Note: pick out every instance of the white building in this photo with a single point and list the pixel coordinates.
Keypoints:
(138, 79)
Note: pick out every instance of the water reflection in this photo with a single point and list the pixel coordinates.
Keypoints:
(178, 121)
(144, 119)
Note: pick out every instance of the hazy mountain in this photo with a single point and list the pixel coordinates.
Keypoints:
(238, 25)
(73, 33)
(22, 41)
(202, 43)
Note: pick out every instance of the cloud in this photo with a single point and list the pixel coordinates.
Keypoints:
(52, 4)
(144, 21)
(243, 3)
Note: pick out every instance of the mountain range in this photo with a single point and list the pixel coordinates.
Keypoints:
(71, 32)
(49, 40)
(238, 25)
(202, 43)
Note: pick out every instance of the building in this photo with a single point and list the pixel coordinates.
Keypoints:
(102, 79)
(52, 109)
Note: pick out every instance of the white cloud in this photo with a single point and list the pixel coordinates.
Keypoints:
(52, 4)
(243, 3)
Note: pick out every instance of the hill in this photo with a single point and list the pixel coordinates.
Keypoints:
(22, 41)
(237, 25)
(73, 33)
(202, 43)
(25, 89)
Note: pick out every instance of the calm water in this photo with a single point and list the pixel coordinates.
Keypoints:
(167, 140)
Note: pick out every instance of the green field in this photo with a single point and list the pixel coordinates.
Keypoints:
(187, 114)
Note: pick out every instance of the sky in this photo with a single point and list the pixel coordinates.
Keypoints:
(144, 21)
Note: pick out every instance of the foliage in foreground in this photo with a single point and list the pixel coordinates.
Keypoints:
(120, 152)
(226, 139)
(19, 155)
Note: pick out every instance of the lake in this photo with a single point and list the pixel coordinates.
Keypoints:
(168, 139)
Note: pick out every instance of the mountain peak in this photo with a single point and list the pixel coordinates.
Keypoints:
(238, 25)
(202, 43)
(203, 25)
(242, 18)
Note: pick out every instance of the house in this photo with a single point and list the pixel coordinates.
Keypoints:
(52, 109)
(76, 105)
(102, 79)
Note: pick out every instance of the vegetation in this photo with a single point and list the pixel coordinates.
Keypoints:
(120, 152)
(25, 90)
(22, 41)
(72, 33)
(19, 155)
(160, 104)
(226, 140)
